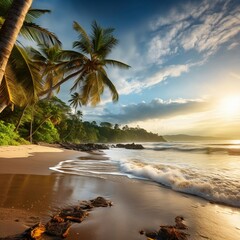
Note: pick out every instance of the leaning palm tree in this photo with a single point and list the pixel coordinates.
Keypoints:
(87, 65)
(10, 30)
(15, 86)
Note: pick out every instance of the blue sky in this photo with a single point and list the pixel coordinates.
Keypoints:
(184, 57)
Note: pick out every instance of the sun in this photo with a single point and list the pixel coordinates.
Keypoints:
(230, 106)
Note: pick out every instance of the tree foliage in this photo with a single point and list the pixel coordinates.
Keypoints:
(53, 121)
(8, 136)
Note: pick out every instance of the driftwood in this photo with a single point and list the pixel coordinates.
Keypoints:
(59, 225)
(169, 232)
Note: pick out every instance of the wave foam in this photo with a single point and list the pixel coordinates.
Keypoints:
(188, 181)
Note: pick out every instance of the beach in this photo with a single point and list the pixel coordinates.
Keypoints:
(32, 193)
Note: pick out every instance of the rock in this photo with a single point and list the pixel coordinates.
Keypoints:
(75, 214)
(130, 146)
(101, 202)
(152, 235)
(59, 225)
(169, 232)
(58, 229)
(85, 205)
(179, 223)
(37, 231)
(84, 147)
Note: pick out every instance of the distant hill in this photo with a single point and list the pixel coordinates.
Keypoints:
(185, 137)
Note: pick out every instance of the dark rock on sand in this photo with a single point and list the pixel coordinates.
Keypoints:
(58, 227)
(169, 232)
(34, 232)
(74, 214)
(60, 224)
(84, 147)
(101, 202)
(129, 146)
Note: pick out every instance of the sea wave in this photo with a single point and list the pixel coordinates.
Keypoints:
(199, 149)
(213, 188)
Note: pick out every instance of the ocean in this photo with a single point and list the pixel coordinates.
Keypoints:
(210, 170)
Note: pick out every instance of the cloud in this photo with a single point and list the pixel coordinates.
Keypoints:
(200, 27)
(157, 109)
(126, 86)
(233, 45)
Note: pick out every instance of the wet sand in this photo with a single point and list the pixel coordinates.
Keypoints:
(30, 193)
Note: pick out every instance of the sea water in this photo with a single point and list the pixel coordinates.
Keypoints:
(210, 170)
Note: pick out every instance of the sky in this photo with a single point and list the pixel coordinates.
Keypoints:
(184, 57)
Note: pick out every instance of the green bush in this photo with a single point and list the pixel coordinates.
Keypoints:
(47, 133)
(8, 136)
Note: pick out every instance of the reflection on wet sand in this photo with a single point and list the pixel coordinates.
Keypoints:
(137, 205)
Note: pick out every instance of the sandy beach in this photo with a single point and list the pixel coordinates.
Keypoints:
(31, 193)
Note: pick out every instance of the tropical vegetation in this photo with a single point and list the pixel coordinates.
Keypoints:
(30, 77)
(53, 121)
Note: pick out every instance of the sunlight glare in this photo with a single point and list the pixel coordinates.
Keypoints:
(230, 106)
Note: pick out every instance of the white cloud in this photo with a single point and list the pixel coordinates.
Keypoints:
(233, 45)
(201, 27)
(136, 85)
(163, 74)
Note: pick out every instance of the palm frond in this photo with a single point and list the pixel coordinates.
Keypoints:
(97, 90)
(70, 55)
(34, 14)
(107, 44)
(11, 91)
(116, 63)
(84, 42)
(38, 34)
(97, 36)
(110, 85)
(28, 73)
(87, 88)
(78, 81)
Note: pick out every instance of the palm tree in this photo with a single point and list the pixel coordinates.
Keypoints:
(87, 66)
(10, 30)
(76, 100)
(53, 68)
(23, 87)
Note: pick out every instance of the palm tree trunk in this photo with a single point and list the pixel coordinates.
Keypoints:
(10, 30)
(59, 83)
(32, 133)
(31, 124)
(20, 119)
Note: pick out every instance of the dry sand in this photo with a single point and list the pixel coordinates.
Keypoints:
(30, 193)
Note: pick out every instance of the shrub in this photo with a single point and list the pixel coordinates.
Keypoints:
(8, 136)
(47, 133)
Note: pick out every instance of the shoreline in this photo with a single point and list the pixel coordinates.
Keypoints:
(27, 183)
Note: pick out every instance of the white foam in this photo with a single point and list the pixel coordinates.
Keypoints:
(188, 181)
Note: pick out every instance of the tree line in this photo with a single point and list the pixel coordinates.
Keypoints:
(53, 121)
